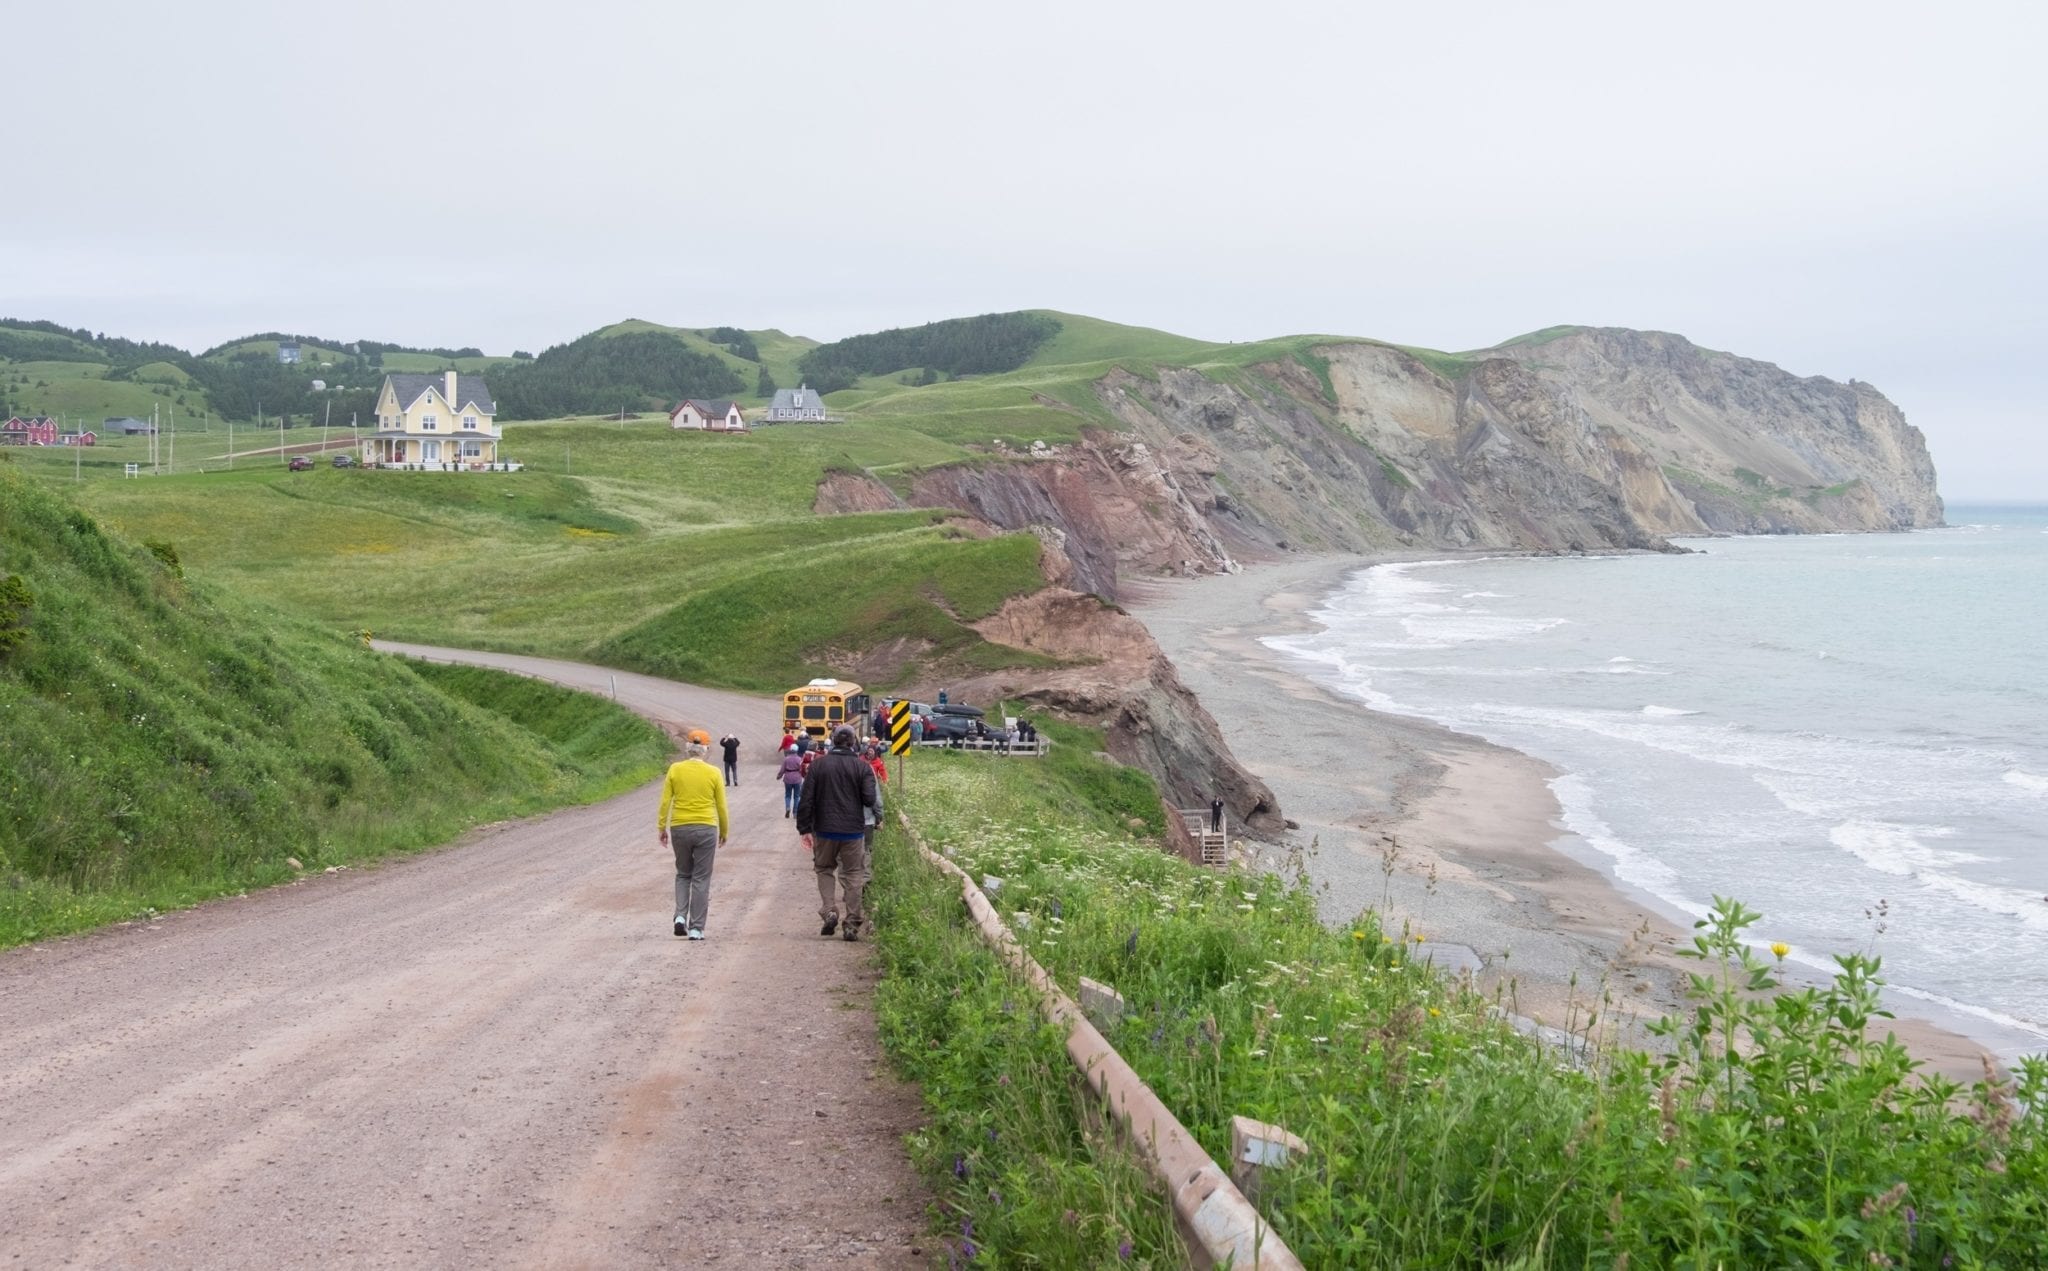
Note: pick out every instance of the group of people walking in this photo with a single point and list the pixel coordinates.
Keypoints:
(834, 795)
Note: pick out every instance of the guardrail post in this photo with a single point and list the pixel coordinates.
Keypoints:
(1255, 1147)
(1102, 1004)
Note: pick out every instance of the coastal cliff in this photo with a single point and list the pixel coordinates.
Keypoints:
(1572, 439)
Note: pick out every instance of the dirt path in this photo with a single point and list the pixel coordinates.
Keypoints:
(497, 1054)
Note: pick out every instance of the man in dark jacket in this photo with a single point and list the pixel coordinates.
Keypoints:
(731, 746)
(839, 786)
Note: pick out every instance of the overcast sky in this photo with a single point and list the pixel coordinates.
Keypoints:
(1842, 189)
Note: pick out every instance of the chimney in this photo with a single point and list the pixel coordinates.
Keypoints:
(449, 393)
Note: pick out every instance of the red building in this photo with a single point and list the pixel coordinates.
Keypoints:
(38, 430)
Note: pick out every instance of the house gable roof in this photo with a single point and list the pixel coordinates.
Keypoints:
(470, 390)
(802, 397)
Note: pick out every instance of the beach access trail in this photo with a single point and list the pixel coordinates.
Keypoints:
(494, 1054)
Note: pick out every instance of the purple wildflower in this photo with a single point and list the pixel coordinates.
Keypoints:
(1912, 1223)
(1123, 1251)
(959, 1167)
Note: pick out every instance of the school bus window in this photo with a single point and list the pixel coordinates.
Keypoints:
(789, 712)
(814, 712)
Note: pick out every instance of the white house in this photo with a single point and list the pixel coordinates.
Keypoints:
(718, 416)
(441, 420)
(801, 402)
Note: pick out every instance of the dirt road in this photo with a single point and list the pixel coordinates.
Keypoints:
(493, 1055)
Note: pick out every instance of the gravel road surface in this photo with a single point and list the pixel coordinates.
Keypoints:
(495, 1054)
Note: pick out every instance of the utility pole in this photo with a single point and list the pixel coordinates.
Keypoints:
(174, 440)
(325, 420)
(231, 443)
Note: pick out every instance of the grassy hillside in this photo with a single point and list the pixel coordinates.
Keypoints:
(1081, 340)
(170, 740)
(609, 529)
(779, 353)
(687, 553)
(81, 391)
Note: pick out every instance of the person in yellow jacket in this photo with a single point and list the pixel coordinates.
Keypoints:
(692, 821)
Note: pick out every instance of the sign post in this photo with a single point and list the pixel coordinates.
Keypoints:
(899, 735)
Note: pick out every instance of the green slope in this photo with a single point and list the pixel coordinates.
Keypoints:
(169, 740)
(1082, 339)
(779, 352)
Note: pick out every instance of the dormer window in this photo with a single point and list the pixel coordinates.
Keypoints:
(469, 423)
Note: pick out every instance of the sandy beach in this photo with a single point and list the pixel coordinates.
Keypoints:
(1448, 835)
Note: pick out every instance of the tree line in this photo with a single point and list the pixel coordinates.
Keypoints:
(984, 345)
(598, 374)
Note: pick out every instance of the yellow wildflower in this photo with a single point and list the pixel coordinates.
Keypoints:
(1780, 948)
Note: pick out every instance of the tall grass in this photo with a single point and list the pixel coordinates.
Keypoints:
(167, 741)
(1015, 1146)
(1781, 1127)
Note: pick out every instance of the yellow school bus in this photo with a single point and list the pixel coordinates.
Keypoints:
(820, 706)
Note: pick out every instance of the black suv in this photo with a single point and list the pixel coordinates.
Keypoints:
(954, 723)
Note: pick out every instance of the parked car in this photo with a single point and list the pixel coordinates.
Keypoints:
(344, 460)
(954, 723)
(300, 463)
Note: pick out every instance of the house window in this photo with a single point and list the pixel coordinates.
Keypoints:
(472, 450)
(469, 423)
(427, 423)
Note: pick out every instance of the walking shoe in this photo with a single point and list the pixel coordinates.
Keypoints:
(681, 927)
(696, 933)
(852, 932)
(831, 925)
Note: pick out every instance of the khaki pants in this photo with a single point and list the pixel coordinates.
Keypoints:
(848, 859)
(695, 846)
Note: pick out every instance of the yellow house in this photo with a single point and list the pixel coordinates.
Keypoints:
(434, 421)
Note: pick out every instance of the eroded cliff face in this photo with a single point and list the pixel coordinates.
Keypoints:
(1117, 677)
(1599, 439)
(1595, 439)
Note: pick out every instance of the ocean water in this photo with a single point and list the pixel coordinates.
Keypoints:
(1813, 725)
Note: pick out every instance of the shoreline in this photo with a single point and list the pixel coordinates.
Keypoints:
(1482, 859)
